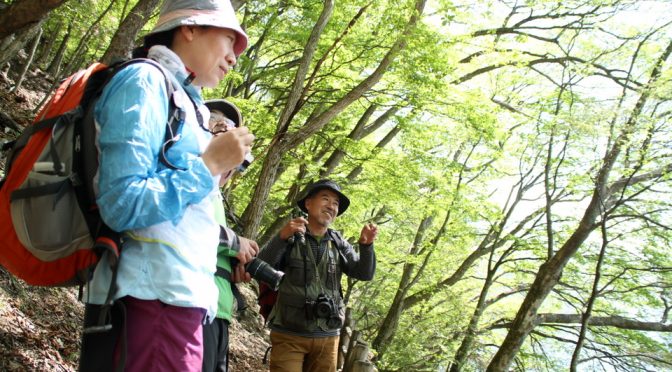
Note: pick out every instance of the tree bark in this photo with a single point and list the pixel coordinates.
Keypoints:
(585, 318)
(25, 13)
(615, 321)
(55, 65)
(48, 44)
(84, 41)
(390, 324)
(124, 38)
(12, 45)
(252, 215)
(29, 61)
(472, 329)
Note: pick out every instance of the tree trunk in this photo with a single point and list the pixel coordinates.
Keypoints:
(48, 44)
(591, 301)
(387, 139)
(472, 329)
(390, 323)
(615, 321)
(124, 38)
(25, 14)
(55, 65)
(29, 61)
(298, 189)
(252, 215)
(12, 45)
(550, 272)
(78, 54)
(338, 154)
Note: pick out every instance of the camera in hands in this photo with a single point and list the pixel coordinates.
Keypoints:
(298, 237)
(324, 307)
(263, 272)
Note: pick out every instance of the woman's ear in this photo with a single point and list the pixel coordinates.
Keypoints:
(187, 32)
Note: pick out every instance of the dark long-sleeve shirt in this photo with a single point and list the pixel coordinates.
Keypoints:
(360, 265)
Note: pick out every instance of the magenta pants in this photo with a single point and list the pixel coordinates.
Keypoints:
(163, 337)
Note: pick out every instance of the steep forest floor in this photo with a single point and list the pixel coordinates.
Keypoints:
(40, 328)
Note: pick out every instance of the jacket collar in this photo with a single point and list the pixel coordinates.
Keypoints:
(172, 62)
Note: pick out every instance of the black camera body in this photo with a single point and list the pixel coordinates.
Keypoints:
(324, 307)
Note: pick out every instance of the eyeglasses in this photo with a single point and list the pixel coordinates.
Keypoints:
(219, 123)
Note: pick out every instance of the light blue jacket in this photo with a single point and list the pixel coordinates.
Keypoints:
(167, 215)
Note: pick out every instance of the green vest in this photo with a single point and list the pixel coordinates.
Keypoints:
(224, 254)
(301, 286)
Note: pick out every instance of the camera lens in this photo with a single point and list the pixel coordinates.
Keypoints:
(323, 309)
(263, 272)
(334, 322)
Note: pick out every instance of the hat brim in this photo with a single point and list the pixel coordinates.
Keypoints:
(227, 108)
(206, 20)
(343, 201)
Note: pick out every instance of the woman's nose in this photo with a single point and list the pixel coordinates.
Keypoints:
(231, 59)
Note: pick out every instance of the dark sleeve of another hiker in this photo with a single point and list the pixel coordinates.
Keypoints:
(360, 265)
(273, 251)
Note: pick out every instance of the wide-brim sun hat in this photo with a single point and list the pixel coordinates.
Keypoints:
(343, 201)
(227, 108)
(215, 13)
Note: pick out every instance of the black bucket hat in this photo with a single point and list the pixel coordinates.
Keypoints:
(343, 201)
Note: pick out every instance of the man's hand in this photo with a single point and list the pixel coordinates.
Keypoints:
(296, 225)
(248, 249)
(368, 235)
(240, 275)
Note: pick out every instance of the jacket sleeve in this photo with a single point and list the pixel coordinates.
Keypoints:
(133, 190)
(273, 251)
(229, 243)
(360, 265)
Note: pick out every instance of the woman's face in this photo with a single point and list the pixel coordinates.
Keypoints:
(207, 52)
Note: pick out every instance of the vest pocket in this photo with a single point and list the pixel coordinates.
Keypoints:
(296, 274)
(293, 314)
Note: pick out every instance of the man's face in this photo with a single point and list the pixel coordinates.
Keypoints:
(323, 207)
(219, 122)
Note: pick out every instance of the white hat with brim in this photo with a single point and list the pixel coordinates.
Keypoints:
(215, 13)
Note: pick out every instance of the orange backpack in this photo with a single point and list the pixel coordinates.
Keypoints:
(52, 233)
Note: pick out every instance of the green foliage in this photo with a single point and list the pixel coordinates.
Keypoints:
(498, 109)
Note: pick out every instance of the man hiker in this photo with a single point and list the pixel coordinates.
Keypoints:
(306, 320)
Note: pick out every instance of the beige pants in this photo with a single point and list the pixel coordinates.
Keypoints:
(295, 353)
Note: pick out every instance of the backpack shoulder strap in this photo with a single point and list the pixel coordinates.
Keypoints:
(337, 237)
(226, 275)
(338, 240)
